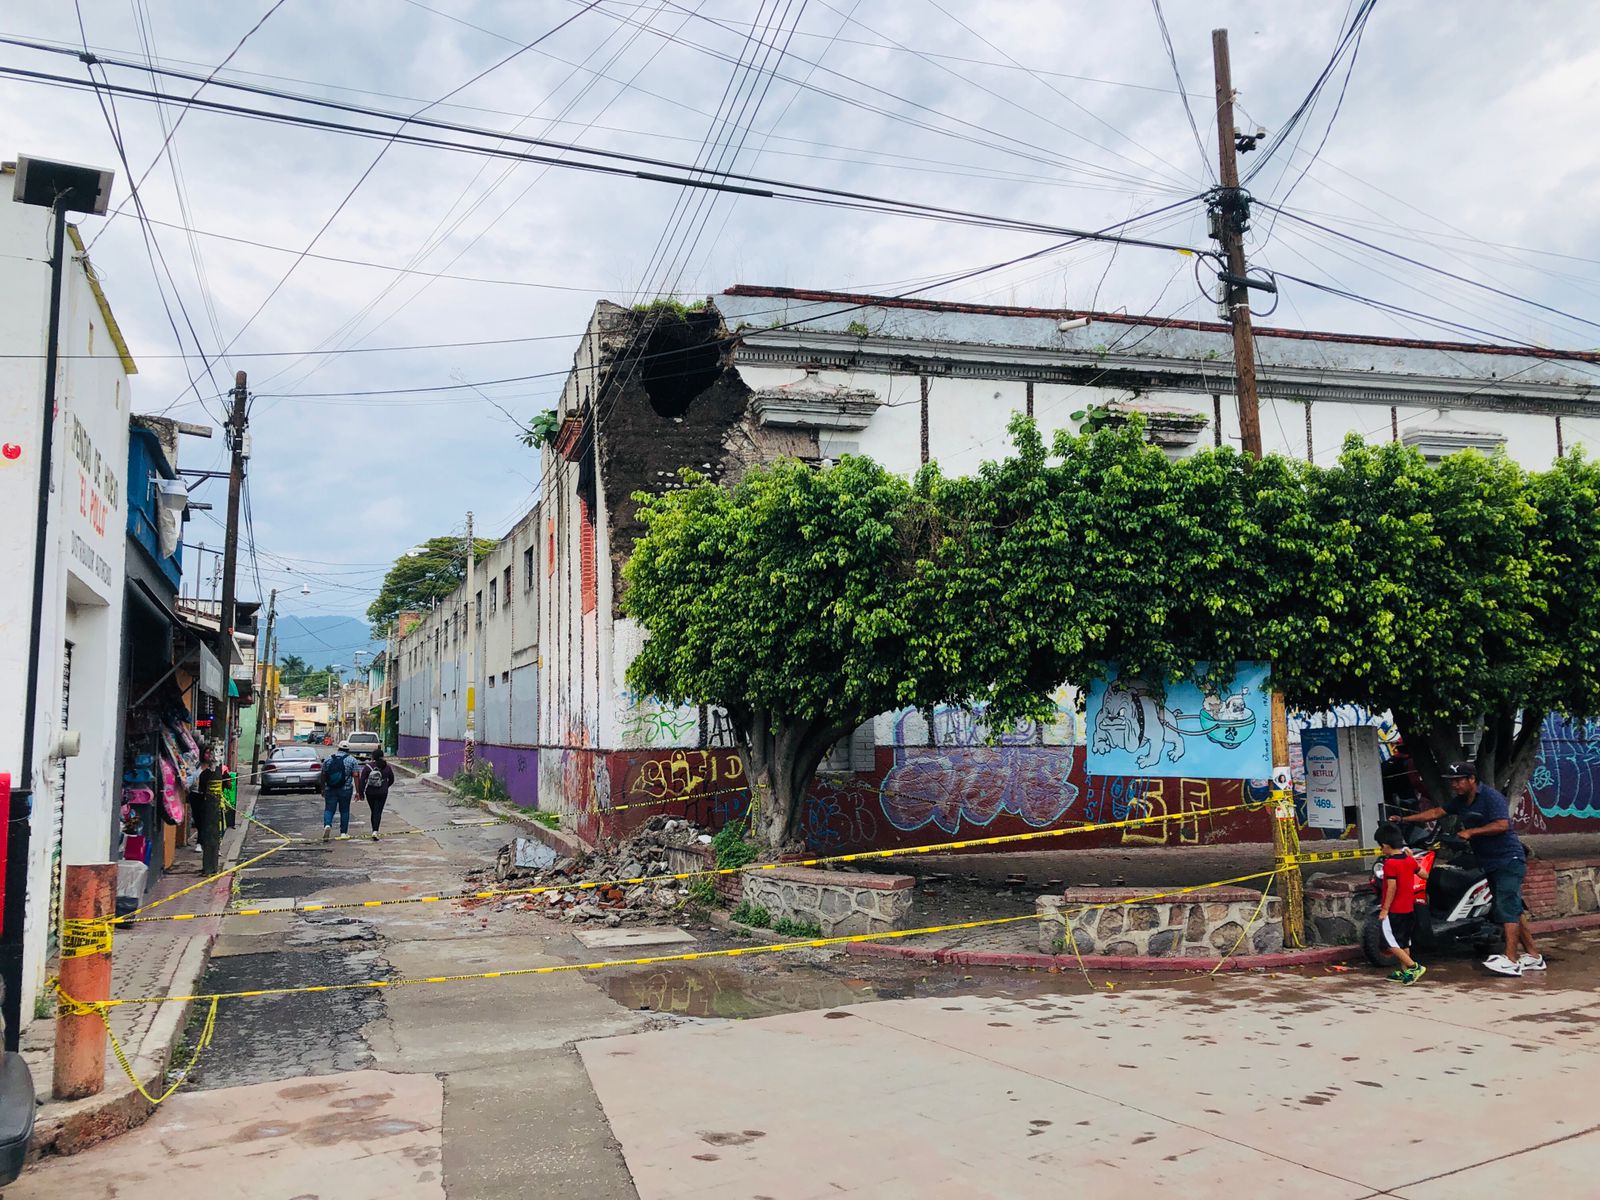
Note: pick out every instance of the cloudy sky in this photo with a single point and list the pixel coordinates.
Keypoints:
(336, 268)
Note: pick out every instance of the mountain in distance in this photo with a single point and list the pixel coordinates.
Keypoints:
(324, 640)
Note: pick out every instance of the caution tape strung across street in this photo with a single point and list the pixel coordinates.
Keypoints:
(652, 960)
(711, 872)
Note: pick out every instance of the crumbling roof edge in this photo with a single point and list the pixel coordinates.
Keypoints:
(867, 300)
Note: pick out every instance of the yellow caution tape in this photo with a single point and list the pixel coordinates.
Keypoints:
(709, 872)
(83, 936)
(688, 956)
(1316, 856)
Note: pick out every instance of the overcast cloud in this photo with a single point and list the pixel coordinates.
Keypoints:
(1465, 139)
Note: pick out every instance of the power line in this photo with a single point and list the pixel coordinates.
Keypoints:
(1172, 57)
(799, 192)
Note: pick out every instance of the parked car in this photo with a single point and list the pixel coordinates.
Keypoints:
(362, 745)
(291, 769)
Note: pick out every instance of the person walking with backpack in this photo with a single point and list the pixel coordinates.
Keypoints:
(375, 780)
(338, 777)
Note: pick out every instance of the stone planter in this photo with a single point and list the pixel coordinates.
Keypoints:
(1337, 907)
(840, 902)
(1201, 924)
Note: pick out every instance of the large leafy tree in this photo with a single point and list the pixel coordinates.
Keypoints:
(421, 577)
(789, 599)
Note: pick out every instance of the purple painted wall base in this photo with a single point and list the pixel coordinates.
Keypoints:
(516, 766)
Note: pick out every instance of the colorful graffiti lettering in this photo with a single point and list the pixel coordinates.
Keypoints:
(685, 773)
(840, 812)
(1566, 778)
(653, 723)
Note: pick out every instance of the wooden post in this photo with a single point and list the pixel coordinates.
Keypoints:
(80, 1058)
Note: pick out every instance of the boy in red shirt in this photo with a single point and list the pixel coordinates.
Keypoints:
(1397, 909)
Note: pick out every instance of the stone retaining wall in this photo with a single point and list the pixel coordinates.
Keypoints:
(1201, 924)
(1577, 888)
(840, 902)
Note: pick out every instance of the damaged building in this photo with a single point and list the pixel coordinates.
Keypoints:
(756, 373)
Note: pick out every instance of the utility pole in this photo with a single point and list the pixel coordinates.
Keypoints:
(262, 715)
(210, 831)
(472, 657)
(1230, 217)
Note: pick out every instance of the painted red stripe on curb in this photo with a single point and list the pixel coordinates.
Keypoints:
(1107, 962)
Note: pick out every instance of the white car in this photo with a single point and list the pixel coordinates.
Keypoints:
(362, 745)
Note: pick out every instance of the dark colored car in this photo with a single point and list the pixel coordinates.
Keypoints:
(291, 769)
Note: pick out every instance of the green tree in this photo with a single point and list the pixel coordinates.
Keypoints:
(421, 577)
(293, 669)
(787, 599)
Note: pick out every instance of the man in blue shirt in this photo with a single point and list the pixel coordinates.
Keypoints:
(1486, 823)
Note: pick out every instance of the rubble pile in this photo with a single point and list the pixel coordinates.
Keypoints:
(530, 863)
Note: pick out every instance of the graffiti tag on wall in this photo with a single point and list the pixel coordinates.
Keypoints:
(650, 722)
(1566, 778)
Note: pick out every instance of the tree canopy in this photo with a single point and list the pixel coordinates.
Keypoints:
(804, 602)
(421, 577)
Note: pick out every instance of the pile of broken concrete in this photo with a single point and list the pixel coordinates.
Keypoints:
(526, 864)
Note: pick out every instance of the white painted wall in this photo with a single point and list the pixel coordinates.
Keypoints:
(77, 799)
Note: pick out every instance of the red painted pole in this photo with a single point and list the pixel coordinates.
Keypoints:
(80, 1059)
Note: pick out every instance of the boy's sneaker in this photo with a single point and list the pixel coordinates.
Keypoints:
(1414, 974)
(1531, 962)
(1501, 965)
(1398, 975)
(327, 832)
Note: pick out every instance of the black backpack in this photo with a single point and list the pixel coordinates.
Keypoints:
(337, 771)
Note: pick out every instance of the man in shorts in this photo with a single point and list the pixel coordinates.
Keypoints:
(1486, 823)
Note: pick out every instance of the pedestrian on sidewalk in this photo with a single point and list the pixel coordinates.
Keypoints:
(375, 780)
(338, 778)
(1486, 823)
(1398, 909)
(205, 809)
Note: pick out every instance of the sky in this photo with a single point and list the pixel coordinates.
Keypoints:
(334, 269)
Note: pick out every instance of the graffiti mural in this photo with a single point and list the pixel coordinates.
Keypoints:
(961, 779)
(1222, 732)
(1566, 778)
(650, 722)
(707, 786)
(840, 813)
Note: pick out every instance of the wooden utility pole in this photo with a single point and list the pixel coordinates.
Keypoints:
(237, 436)
(1230, 217)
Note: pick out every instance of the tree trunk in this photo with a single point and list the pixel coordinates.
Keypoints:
(1516, 767)
(781, 756)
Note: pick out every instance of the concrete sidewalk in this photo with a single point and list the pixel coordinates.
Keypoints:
(1342, 1086)
(146, 960)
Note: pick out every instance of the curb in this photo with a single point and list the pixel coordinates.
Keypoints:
(1106, 962)
(1315, 956)
(77, 1125)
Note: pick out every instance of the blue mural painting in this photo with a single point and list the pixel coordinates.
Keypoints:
(1222, 733)
(1566, 778)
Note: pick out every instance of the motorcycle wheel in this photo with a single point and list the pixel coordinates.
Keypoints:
(1372, 943)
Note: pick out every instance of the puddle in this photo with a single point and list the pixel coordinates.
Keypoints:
(734, 995)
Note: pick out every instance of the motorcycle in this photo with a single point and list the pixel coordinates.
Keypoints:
(1453, 903)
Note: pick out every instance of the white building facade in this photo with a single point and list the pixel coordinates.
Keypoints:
(817, 375)
(76, 799)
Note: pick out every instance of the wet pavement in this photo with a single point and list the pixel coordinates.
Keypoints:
(431, 1090)
(1327, 1084)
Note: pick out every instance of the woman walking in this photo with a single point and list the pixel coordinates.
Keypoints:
(377, 777)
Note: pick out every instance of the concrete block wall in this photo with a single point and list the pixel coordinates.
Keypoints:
(1203, 924)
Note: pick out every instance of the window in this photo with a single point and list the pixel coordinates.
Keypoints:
(505, 676)
(494, 596)
(491, 680)
(527, 569)
(478, 608)
(505, 586)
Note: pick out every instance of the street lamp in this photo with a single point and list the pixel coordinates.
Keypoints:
(62, 188)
